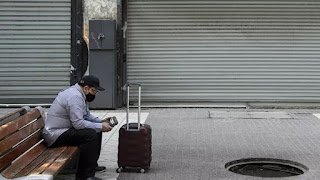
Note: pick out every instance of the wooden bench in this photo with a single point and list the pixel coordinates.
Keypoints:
(14, 115)
(23, 151)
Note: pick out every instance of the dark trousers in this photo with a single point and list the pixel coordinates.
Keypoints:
(89, 142)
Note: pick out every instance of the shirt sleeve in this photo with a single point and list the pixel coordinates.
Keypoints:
(76, 110)
(94, 119)
(91, 117)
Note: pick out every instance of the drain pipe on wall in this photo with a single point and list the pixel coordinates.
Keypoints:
(22, 105)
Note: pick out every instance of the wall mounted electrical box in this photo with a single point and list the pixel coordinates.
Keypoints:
(103, 61)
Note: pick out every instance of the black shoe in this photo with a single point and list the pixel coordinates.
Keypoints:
(100, 168)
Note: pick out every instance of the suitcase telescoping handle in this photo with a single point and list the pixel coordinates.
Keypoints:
(128, 102)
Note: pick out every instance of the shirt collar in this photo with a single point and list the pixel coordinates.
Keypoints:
(80, 90)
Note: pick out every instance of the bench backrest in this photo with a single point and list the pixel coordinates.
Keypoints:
(14, 115)
(20, 135)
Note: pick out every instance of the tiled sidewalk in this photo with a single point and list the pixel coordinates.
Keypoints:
(188, 144)
(196, 143)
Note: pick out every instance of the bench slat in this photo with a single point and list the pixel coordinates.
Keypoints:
(12, 140)
(16, 124)
(36, 163)
(23, 161)
(57, 152)
(60, 162)
(6, 159)
(15, 142)
(14, 115)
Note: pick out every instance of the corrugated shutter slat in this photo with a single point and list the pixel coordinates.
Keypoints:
(35, 45)
(220, 51)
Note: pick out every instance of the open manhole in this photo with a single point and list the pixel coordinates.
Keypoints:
(266, 167)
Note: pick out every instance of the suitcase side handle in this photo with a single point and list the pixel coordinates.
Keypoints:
(128, 103)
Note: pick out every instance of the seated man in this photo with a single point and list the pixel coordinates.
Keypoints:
(69, 123)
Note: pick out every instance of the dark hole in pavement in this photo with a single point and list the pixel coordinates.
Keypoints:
(266, 167)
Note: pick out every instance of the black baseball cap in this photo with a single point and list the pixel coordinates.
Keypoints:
(91, 81)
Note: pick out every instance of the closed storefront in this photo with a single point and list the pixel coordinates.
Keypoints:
(35, 50)
(225, 51)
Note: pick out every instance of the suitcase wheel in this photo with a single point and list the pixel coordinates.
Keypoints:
(119, 169)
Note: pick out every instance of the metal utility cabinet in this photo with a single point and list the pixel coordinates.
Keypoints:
(103, 61)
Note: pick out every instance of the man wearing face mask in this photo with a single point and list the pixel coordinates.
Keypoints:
(69, 123)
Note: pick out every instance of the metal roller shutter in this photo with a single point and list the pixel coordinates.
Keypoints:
(227, 50)
(35, 45)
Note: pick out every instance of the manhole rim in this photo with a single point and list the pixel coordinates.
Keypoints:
(266, 160)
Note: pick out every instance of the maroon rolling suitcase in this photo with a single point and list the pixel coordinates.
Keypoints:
(134, 149)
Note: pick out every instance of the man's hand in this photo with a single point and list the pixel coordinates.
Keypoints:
(106, 119)
(106, 127)
(112, 121)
